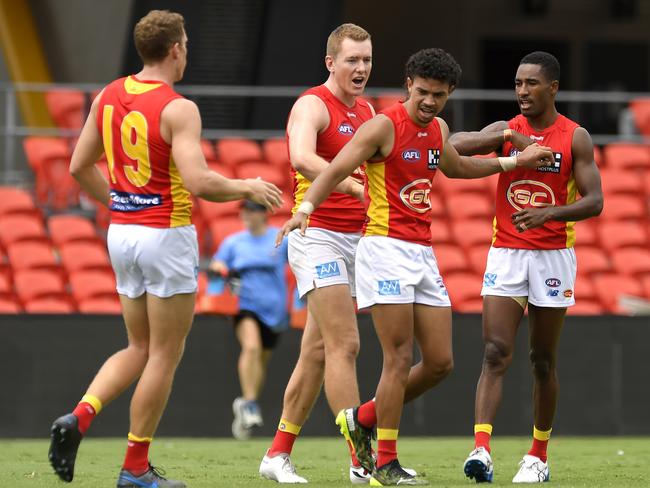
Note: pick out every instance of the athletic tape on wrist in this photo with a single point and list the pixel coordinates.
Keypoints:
(306, 207)
(508, 163)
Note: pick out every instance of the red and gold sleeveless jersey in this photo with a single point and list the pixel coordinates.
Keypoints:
(146, 187)
(340, 212)
(398, 187)
(522, 188)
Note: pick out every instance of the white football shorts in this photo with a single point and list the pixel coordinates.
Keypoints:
(162, 262)
(546, 277)
(395, 271)
(322, 258)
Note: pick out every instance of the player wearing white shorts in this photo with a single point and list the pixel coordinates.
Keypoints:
(532, 262)
(151, 138)
(397, 274)
(322, 121)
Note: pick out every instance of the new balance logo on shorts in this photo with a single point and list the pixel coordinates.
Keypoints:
(327, 270)
(388, 287)
(489, 279)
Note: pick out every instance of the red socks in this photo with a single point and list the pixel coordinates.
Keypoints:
(137, 454)
(86, 410)
(540, 443)
(284, 438)
(386, 446)
(482, 434)
(367, 414)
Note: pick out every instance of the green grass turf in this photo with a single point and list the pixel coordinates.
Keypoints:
(207, 463)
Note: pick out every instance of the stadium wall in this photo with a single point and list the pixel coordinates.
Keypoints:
(47, 361)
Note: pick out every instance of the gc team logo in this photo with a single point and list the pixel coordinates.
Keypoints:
(346, 129)
(529, 193)
(415, 195)
(411, 155)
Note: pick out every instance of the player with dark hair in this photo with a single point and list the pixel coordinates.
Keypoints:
(531, 261)
(397, 273)
(151, 138)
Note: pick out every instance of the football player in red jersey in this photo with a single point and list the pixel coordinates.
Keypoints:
(531, 261)
(321, 122)
(151, 137)
(398, 277)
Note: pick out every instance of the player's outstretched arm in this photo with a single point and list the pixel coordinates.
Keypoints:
(309, 117)
(182, 119)
(587, 179)
(489, 139)
(455, 166)
(88, 150)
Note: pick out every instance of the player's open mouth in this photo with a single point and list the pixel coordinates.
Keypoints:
(358, 81)
(525, 103)
(427, 111)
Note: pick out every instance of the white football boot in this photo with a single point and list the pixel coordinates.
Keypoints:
(532, 470)
(478, 466)
(280, 468)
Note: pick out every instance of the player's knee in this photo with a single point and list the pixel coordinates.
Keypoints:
(313, 355)
(252, 349)
(399, 359)
(344, 351)
(543, 365)
(497, 356)
(442, 368)
(139, 351)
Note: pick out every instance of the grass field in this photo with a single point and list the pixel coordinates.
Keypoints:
(207, 463)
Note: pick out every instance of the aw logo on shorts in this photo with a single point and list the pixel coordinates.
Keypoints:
(411, 155)
(327, 270)
(388, 287)
(346, 129)
(489, 279)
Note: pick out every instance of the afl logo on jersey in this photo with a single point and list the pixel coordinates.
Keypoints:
(346, 129)
(415, 195)
(411, 155)
(529, 193)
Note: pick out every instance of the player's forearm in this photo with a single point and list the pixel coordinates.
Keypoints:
(216, 188)
(470, 143)
(92, 181)
(584, 208)
(468, 168)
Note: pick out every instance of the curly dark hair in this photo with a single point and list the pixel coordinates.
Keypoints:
(435, 64)
(549, 64)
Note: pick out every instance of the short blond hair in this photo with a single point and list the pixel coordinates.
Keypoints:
(345, 31)
(156, 33)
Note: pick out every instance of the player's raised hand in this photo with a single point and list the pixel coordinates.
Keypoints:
(264, 193)
(299, 220)
(535, 156)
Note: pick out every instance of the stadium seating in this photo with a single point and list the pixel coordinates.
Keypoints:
(76, 256)
(584, 288)
(592, 260)
(450, 259)
(586, 307)
(39, 283)
(276, 153)
(614, 235)
(440, 232)
(17, 201)
(232, 152)
(70, 228)
(471, 232)
(452, 186)
(209, 152)
(617, 181)
(623, 207)
(262, 169)
(223, 304)
(30, 255)
(609, 287)
(469, 205)
(87, 284)
(470, 305)
(463, 287)
(49, 305)
(438, 209)
(598, 156)
(586, 233)
(477, 258)
(645, 283)
(641, 113)
(216, 210)
(67, 107)
(623, 155)
(17, 228)
(222, 228)
(632, 261)
(386, 100)
(9, 306)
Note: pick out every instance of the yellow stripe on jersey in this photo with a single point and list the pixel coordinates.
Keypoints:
(302, 186)
(378, 210)
(572, 190)
(133, 87)
(494, 229)
(181, 204)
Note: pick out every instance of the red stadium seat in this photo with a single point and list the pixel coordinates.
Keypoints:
(450, 259)
(471, 305)
(216, 210)
(49, 305)
(262, 169)
(76, 256)
(440, 232)
(17, 201)
(453, 186)
(478, 258)
(632, 261)
(627, 155)
(69, 228)
(30, 255)
(223, 304)
(645, 283)
(17, 228)
(32, 284)
(209, 153)
(623, 207)
(586, 307)
(386, 100)
(67, 107)
(586, 233)
(641, 113)
(609, 287)
(222, 228)
(5, 285)
(438, 209)
(598, 156)
(584, 289)
(9, 306)
(471, 232)
(232, 152)
(614, 235)
(275, 152)
(592, 260)
(470, 205)
(463, 287)
(92, 284)
(104, 306)
(617, 181)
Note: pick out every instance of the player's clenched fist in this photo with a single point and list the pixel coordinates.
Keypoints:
(535, 156)
(264, 193)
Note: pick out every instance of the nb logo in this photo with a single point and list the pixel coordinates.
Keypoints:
(388, 287)
(553, 293)
(327, 270)
(489, 279)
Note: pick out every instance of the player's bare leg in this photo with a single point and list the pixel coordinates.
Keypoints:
(341, 341)
(433, 335)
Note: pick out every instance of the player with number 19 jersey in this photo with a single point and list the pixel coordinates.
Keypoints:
(145, 185)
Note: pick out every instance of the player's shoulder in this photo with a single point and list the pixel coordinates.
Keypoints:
(180, 110)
